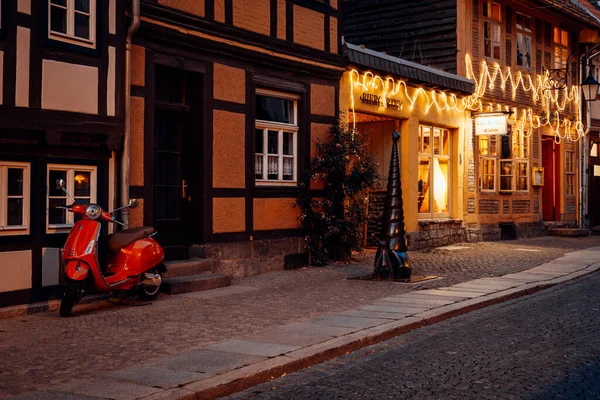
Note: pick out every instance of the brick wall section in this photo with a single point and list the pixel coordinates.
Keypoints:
(322, 100)
(471, 206)
(471, 175)
(536, 203)
(536, 144)
(281, 28)
(505, 206)
(138, 66)
(253, 15)
(521, 206)
(333, 4)
(333, 35)
(489, 206)
(229, 84)
(229, 215)
(220, 11)
(195, 7)
(136, 215)
(228, 160)
(309, 27)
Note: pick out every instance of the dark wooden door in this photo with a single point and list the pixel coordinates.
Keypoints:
(551, 189)
(594, 182)
(177, 162)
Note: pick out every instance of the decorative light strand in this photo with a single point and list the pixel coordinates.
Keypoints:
(553, 102)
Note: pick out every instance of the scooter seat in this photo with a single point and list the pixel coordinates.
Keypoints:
(124, 238)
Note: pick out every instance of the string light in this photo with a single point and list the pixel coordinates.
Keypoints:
(537, 88)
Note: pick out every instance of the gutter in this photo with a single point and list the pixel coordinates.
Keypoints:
(133, 27)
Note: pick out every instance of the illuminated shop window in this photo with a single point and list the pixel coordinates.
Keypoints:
(73, 21)
(570, 173)
(523, 26)
(14, 197)
(504, 159)
(276, 138)
(561, 47)
(80, 182)
(492, 30)
(434, 172)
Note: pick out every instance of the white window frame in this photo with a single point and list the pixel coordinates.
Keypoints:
(492, 23)
(70, 186)
(22, 229)
(526, 34)
(267, 126)
(70, 37)
(432, 156)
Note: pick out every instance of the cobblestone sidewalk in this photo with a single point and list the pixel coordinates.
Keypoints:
(41, 351)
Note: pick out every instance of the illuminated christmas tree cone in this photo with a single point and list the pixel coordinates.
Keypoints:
(393, 219)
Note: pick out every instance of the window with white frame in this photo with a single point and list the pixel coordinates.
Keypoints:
(492, 30)
(434, 172)
(14, 196)
(80, 182)
(561, 47)
(276, 138)
(73, 21)
(523, 28)
(504, 159)
(570, 173)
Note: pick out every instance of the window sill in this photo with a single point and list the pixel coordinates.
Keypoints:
(276, 183)
(14, 230)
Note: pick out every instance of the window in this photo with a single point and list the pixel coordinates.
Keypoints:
(276, 138)
(434, 172)
(570, 173)
(80, 182)
(492, 30)
(14, 197)
(523, 25)
(561, 47)
(507, 157)
(72, 21)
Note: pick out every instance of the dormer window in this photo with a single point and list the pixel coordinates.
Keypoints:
(73, 21)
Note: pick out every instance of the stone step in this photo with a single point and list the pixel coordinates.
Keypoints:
(570, 232)
(192, 266)
(195, 283)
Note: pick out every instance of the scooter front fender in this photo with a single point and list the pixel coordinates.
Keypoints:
(77, 270)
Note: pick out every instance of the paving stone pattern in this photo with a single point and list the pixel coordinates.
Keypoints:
(543, 346)
(42, 351)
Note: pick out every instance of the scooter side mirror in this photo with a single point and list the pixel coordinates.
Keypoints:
(60, 184)
(133, 203)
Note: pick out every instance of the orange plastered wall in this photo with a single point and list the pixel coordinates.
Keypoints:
(195, 7)
(309, 27)
(275, 214)
(254, 15)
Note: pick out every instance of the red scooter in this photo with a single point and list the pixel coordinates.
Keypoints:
(135, 263)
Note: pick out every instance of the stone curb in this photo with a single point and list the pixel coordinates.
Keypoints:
(252, 375)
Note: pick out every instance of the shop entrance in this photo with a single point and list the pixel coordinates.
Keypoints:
(379, 136)
(594, 181)
(177, 166)
(551, 189)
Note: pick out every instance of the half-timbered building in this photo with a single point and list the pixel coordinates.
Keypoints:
(524, 57)
(227, 98)
(61, 116)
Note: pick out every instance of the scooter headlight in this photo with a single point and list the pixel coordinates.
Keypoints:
(93, 211)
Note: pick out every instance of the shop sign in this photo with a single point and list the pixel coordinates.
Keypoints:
(375, 100)
(491, 124)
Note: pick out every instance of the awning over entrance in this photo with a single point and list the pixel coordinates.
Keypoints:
(416, 73)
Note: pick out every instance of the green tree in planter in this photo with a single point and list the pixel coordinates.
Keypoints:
(334, 224)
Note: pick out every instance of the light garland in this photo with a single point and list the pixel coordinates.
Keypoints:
(553, 102)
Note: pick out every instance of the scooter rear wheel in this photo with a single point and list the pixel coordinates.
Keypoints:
(147, 292)
(69, 299)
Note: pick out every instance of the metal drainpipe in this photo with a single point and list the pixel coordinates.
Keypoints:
(135, 23)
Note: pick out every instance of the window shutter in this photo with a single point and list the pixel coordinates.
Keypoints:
(538, 31)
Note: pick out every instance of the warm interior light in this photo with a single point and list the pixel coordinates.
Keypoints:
(80, 178)
(440, 188)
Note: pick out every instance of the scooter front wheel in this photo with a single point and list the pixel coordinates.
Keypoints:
(69, 298)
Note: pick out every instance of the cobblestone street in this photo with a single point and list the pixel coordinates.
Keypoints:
(42, 350)
(543, 346)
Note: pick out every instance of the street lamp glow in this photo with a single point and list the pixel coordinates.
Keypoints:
(590, 88)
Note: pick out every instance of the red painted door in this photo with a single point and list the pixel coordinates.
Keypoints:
(551, 188)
